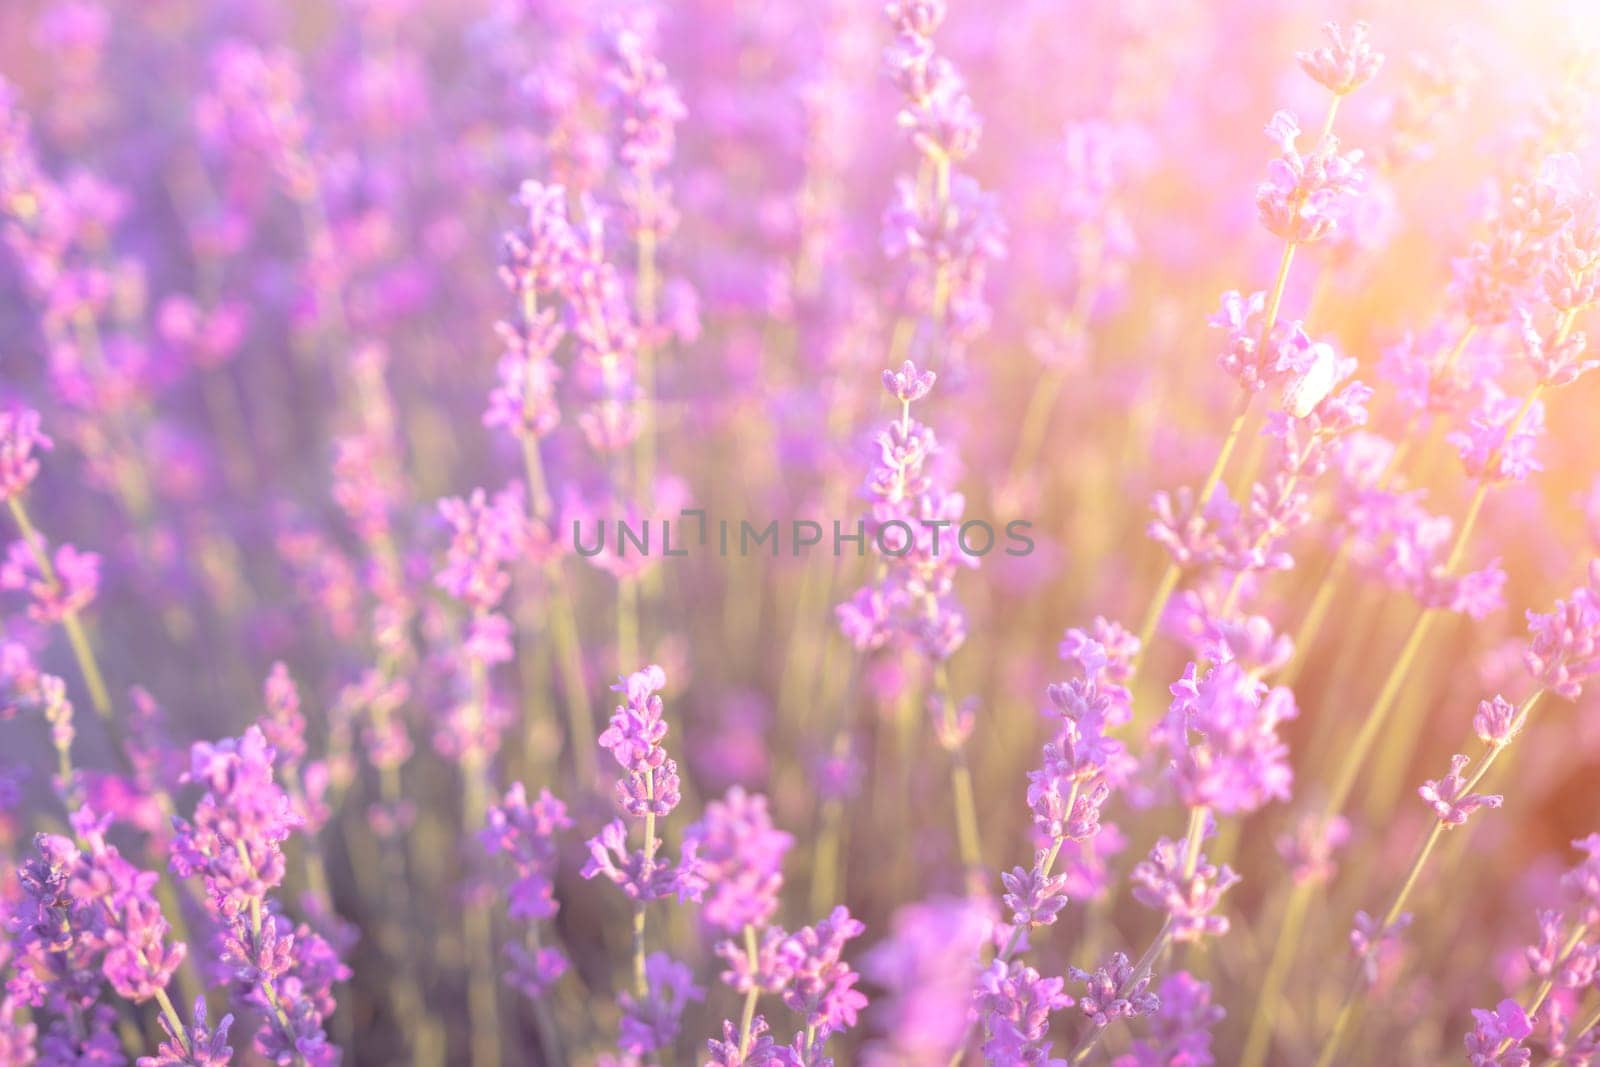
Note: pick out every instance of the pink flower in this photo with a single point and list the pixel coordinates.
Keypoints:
(19, 438)
(1449, 799)
(1345, 63)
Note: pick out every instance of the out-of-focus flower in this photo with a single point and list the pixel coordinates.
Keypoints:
(651, 1023)
(741, 859)
(1309, 850)
(66, 589)
(1180, 1030)
(1346, 62)
(19, 439)
(822, 988)
(1506, 1025)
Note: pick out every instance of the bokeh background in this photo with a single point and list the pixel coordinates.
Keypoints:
(284, 223)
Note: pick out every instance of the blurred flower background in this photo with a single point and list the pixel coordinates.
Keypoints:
(333, 332)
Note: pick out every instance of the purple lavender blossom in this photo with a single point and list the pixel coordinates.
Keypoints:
(1179, 1032)
(1506, 1025)
(651, 1023)
(1016, 1003)
(822, 987)
(1110, 992)
(1221, 731)
(1564, 645)
(1189, 900)
(740, 855)
(1448, 796)
(19, 438)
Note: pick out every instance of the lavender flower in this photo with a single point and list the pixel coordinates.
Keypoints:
(525, 833)
(1221, 732)
(822, 987)
(1180, 1029)
(1564, 645)
(197, 1046)
(1299, 200)
(1016, 1003)
(651, 1022)
(1506, 1025)
(741, 859)
(1111, 992)
(233, 842)
(1448, 796)
(1188, 899)
(1345, 63)
(19, 438)
(56, 586)
(1498, 446)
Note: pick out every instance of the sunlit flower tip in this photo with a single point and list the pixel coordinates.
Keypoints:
(1346, 62)
(1304, 198)
(641, 683)
(1034, 897)
(1448, 798)
(1109, 991)
(920, 17)
(1496, 1037)
(908, 385)
(1496, 722)
(19, 439)
(1558, 361)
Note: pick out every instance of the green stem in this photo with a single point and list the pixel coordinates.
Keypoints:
(747, 1019)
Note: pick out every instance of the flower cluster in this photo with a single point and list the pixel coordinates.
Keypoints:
(283, 973)
(915, 524)
(648, 788)
(1187, 888)
(19, 438)
(525, 834)
(1221, 732)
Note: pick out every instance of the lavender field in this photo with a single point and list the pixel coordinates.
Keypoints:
(800, 533)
